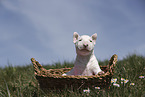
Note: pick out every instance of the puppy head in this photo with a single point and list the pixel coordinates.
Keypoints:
(84, 44)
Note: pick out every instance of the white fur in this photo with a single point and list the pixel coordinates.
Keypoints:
(86, 62)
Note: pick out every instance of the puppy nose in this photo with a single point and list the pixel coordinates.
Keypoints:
(85, 45)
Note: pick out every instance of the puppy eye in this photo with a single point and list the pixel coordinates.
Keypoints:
(80, 40)
(90, 40)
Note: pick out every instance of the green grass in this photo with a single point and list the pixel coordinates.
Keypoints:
(20, 81)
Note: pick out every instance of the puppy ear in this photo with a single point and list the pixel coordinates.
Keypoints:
(75, 37)
(94, 36)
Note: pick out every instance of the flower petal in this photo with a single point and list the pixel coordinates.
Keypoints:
(132, 84)
(97, 88)
(117, 85)
(141, 76)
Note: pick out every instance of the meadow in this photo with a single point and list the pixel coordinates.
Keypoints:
(128, 81)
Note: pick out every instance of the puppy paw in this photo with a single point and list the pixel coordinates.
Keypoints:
(101, 73)
(64, 74)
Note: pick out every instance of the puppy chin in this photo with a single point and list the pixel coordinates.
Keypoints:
(83, 52)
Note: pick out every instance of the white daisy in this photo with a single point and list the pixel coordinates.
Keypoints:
(132, 84)
(141, 76)
(86, 91)
(97, 88)
(114, 80)
(125, 81)
(122, 79)
(117, 85)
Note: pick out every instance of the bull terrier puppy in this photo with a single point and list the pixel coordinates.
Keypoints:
(86, 63)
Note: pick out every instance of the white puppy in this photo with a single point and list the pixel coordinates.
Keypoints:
(86, 63)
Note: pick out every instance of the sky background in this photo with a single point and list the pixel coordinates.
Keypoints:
(43, 29)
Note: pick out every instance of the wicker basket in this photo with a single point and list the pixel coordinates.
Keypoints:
(53, 79)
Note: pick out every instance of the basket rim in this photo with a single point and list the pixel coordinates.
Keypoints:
(39, 71)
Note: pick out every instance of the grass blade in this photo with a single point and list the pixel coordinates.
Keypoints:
(8, 91)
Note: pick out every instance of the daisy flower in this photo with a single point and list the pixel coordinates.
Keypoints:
(86, 91)
(114, 80)
(122, 79)
(97, 88)
(125, 81)
(132, 84)
(141, 76)
(117, 85)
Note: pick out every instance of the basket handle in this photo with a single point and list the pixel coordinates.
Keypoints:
(38, 68)
(112, 64)
(113, 60)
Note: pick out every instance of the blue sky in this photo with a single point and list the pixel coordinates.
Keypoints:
(44, 29)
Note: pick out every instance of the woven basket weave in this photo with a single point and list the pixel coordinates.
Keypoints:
(53, 79)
